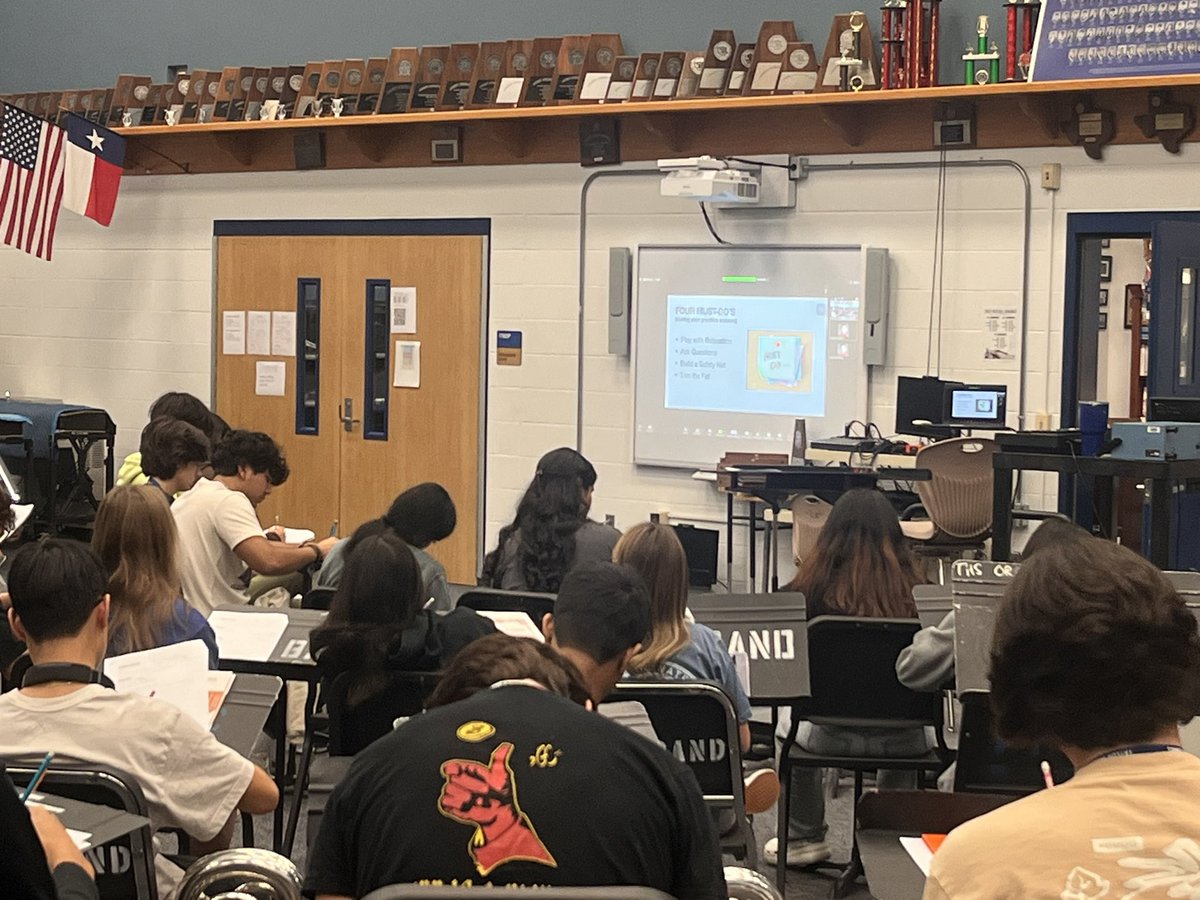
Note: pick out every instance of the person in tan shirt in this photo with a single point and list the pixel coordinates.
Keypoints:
(1094, 652)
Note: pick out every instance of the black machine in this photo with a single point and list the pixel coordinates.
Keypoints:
(919, 406)
(700, 546)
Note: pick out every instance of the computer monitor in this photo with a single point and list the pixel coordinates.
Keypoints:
(919, 406)
(700, 548)
(976, 405)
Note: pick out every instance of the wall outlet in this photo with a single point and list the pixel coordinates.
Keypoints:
(1051, 176)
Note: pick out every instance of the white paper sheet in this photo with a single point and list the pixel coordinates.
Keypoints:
(81, 839)
(919, 851)
(283, 333)
(404, 310)
(408, 364)
(595, 86)
(247, 635)
(258, 332)
(270, 378)
(21, 515)
(233, 333)
(176, 673)
(514, 624)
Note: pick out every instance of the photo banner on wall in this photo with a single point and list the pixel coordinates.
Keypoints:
(1079, 39)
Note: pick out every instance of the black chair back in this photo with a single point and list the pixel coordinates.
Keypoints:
(318, 598)
(986, 765)
(532, 604)
(353, 727)
(124, 866)
(852, 670)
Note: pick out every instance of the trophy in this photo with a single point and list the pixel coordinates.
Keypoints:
(670, 68)
(910, 43)
(431, 67)
(227, 85)
(208, 104)
(193, 91)
(155, 96)
(398, 82)
(982, 65)
(849, 55)
(123, 98)
(289, 93)
(718, 60)
(539, 83)
(241, 94)
(800, 70)
(568, 69)
(353, 76)
(743, 59)
(1022, 25)
(596, 74)
(102, 102)
(689, 78)
(373, 77)
(306, 93)
(256, 92)
(328, 87)
(645, 76)
(773, 39)
(489, 66)
(620, 84)
(511, 88)
(460, 70)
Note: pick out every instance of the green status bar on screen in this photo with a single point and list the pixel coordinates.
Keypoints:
(740, 279)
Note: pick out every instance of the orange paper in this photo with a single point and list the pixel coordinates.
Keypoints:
(933, 841)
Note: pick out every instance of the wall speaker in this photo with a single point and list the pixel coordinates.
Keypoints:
(599, 141)
(308, 149)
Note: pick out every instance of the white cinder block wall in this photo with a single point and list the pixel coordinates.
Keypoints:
(124, 313)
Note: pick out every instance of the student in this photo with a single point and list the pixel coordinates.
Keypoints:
(507, 780)
(172, 405)
(378, 622)
(861, 566)
(421, 515)
(219, 533)
(135, 538)
(551, 531)
(174, 455)
(7, 518)
(190, 780)
(1096, 654)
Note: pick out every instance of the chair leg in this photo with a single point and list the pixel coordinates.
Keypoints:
(247, 830)
(301, 785)
(849, 875)
(781, 825)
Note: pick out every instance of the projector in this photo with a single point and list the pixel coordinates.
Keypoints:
(708, 180)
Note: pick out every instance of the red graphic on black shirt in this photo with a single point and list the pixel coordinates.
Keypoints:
(486, 796)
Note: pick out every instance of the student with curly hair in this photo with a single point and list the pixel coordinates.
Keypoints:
(1094, 653)
(551, 531)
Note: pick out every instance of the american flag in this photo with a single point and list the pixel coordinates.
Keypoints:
(31, 180)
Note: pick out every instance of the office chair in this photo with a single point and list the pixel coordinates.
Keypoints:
(957, 500)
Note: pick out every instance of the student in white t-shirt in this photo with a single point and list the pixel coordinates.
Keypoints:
(220, 538)
(1096, 654)
(190, 780)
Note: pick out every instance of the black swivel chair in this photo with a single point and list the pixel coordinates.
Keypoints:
(852, 670)
(532, 604)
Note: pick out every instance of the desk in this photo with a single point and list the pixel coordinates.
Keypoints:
(1159, 475)
(103, 822)
(890, 871)
(247, 707)
(933, 601)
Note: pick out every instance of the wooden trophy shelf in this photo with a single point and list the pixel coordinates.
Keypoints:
(1006, 116)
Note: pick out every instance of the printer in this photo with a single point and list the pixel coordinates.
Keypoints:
(1156, 440)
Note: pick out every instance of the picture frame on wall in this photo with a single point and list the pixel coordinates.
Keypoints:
(1105, 269)
(1104, 296)
(1103, 321)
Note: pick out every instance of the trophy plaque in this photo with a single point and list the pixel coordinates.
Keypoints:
(743, 59)
(306, 93)
(596, 75)
(539, 83)
(645, 76)
(398, 82)
(123, 99)
(800, 70)
(769, 51)
(84, 102)
(173, 99)
(353, 74)
(620, 84)
(489, 65)
(256, 92)
(431, 68)
(208, 102)
(568, 69)
(241, 94)
(48, 106)
(849, 56)
(374, 74)
(69, 102)
(226, 85)
(329, 87)
(152, 107)
(293, 83)
(670, 69)
(718, 61)
(193, 96)
(102, 102)
(460, 70)
(689, 79)
(511, 88)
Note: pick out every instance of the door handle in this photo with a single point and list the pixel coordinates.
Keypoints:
(348, 420)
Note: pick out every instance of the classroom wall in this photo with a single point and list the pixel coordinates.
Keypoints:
(124, 313)
(109, 37)
(1112, 358)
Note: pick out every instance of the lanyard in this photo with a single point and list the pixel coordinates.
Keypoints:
(1138, 749)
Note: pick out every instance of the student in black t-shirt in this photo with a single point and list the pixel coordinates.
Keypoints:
(515, 785)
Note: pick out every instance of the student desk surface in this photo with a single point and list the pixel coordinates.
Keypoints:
(245, 711)
(103, 822)
(891, 872)
(290, 660)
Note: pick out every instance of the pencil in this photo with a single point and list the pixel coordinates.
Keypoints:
(37, 777)
(1046, 776)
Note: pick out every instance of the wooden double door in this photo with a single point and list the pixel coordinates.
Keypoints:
(354, 440)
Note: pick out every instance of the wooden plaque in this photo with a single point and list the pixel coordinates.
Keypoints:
(517, 56)
(743, 59)
(398, 84)
(374, 76)
(208, 104)
(836, 74)
(328, 87)
(800, 70)
(769, 51)
(151, 104)
(48, 104)
(645, 76)
(670, 70)
(69, 102)
(689, 79)
(718, 61)
(568, 69)
(290, 95)
(102, 102)
(543, 61)
(226, 87)
(306, 94)
(256, 93)
(460, 71)
(489, 67)
(193, 95)
(85, 104)
(124, 100)
(241, 94)
(175, 97)
(354, 73)
(598, 64)
(431, 69)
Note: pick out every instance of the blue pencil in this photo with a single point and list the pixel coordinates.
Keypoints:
(37, 777)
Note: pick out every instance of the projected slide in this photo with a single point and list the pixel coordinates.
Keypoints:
(747, 354)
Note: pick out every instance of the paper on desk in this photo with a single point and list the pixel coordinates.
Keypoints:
(247, 635)
(514, 624)
(219, 684)
(919, 851)
(297, 535)
(20, 517)
(81, 839)
(175, 673)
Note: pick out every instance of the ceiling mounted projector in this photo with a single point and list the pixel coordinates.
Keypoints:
(709, 180)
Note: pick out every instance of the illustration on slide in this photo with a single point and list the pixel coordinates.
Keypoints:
(780, 361)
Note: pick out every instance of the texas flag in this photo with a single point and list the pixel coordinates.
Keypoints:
(95, 160)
